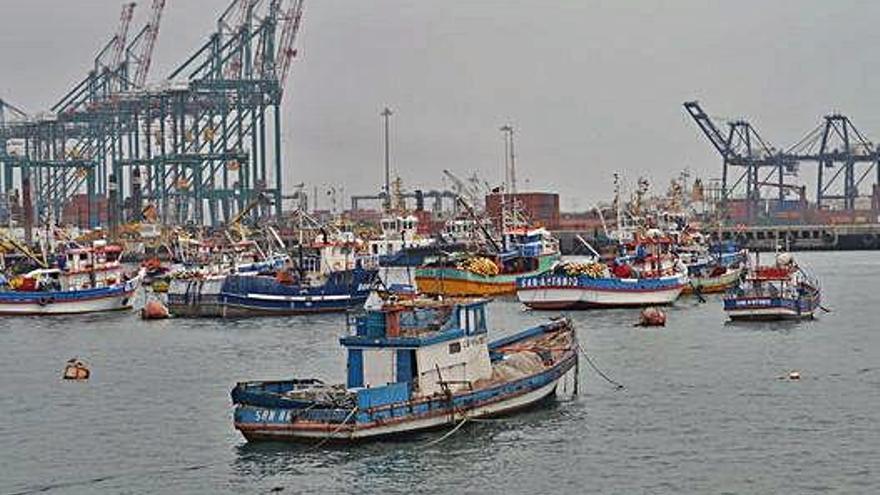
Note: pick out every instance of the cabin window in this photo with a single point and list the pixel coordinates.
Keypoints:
(455, 348)
(83, 256)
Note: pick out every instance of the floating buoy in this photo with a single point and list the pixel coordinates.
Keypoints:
(652, 317)
(76, 370)
(794, 375)
(154, 310)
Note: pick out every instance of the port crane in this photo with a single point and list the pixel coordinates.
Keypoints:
(743, 148)
(846, 160)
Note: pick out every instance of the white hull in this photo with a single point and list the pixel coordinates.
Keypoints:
(560, 298)
(119, 301)
(409, 426)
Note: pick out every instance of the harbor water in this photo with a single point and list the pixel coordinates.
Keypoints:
(707, 406)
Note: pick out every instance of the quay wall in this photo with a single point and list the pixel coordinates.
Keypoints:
(826, 237)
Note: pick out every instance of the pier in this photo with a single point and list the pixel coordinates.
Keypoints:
(827, 237)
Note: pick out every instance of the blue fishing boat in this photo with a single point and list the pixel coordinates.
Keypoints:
(331, 277)
(412, 366)
(779, 292)
(236, 295)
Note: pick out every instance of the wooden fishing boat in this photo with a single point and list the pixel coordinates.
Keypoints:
(562, 288)
(524, 253)
(779, 292)
(412, 366)
(718, 280)
(85, 280)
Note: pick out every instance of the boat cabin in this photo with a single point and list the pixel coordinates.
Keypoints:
(397, 233)
(419, 349)
(534, 242)
(79, 268)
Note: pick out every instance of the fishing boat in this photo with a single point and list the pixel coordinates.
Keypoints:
(714, 279)
(400, 243)
(524, 252)
(412, 366)
(777, 292)
(712, 271)
(569, 286)
(84, 280)
(330, 278)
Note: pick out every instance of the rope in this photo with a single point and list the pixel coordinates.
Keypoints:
(447, 435)
(597, 370)
(697, 292)
(330, 435)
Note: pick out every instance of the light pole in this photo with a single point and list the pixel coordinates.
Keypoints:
(386, 114)
(510, 156)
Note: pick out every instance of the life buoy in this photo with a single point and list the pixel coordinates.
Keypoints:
(869, 241)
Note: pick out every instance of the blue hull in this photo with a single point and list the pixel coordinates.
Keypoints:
(252, 295)
(266, 410)
(772, 308)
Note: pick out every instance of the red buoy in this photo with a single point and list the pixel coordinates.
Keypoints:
(154, 310)
(652, 317)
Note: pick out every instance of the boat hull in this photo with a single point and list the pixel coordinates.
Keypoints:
(235, 296)
(457, 282)
(257, 423)
(268, 411)
(770, 308)
(553, 292)
(115, 298)
(714, 285)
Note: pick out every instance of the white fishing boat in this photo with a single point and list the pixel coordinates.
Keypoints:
(566, 288)
(86, 280)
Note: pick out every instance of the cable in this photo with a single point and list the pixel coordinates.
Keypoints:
(597, 370)
(447, 435)
(330, 435)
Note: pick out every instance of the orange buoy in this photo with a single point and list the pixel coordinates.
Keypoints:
(652, 317)
(76, 370)
(154, 310)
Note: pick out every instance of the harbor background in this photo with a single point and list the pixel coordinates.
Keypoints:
(704, 409)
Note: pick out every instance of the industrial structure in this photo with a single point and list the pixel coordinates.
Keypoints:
(194, 147)
(847, 165)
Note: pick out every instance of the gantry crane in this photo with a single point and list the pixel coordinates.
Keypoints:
(846, 160)
(743, 147)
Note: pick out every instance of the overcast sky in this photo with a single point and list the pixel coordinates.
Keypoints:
(592, 87)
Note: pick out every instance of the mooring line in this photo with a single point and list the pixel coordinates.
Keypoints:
(330, 435)
(447, 434)
(597, 370)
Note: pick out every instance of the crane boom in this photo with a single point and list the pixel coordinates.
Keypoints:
(151, 33)
(243, 11)
(709, 129)
(121, 37)
(286, 51)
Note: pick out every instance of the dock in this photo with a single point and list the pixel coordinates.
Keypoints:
(828, 237)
